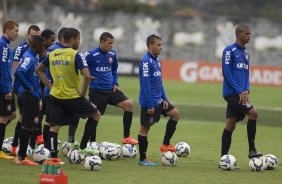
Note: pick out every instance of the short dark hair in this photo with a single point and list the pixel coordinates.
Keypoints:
(36, 40)
(106, 35)
(151, 39)
(8, 25)
(47, 33)
(240, 28)
(61, 32)
(34, 28)
(70, 33)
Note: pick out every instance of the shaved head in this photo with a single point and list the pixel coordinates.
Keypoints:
(240, 28)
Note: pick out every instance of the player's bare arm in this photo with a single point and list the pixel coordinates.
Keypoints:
(86, 80)
(40, 72)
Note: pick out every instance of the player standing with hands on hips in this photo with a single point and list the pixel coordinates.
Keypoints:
(153, 100)
(236, 89)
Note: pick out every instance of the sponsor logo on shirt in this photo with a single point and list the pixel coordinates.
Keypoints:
(157, 74)
(25, 63)
(242, 65)
(18, 53)
(103, 69)
(227, 57)
(5, 54)
(145, 70)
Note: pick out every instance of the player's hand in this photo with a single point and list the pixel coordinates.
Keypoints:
(8, 96)
(165, 104)
(92, 78)
(244, 97)
(116, 88)
(151, 111)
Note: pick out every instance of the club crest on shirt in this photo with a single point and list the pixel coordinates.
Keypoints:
(110, 60)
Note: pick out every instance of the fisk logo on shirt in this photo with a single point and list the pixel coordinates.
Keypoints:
(227, 57)
(5, 54)
(25, 63)
(145, 70)
(18, 52)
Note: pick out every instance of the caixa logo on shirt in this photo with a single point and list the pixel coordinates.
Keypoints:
(157, 74)
(5, 54)
(145, 69)
(242, 65)
(227, 57)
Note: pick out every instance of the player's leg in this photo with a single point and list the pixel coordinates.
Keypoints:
(251, 132)
(30, 110)
(143, 138)
(120, 100)
(17, 131)
(174, 115)
(5, 112)
(227, 134)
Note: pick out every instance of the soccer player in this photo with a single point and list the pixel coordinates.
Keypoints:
(33, 30)
(49, 36)
(103, 64)
(153, 100)
(29, 96)
(7, 100)
(66, 99)
(75, 119)
(236, 88)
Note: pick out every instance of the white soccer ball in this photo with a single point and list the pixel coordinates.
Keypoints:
(93, 163)
(227, 162)
(9, 140)
(41, 154)
(169, 158)
(74, 156)
(256, 164)
(111, 152)
(272, 161)
(7, 147)
(119, 149)
(264, 162)
(129, 151)
(93, 146)
(28, 151)
(182, 149)
(65, 149)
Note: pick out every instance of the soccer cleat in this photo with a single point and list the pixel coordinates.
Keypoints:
(5, 156)
(254, 154)
(26, 161)
(146, 162)
(129, 140)
(59, 141)
(87, 151)
(73, 145)
(39, 140)
(165, 148)
(13, 151)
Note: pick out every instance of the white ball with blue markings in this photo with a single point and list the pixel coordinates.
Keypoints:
(129, 151)
(93, 163)
(227, 162)
(169, 158)
(41, 154)
(182, 149)
(256, 164)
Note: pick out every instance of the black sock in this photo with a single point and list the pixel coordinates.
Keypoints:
(225, 142)
(46, 129)
(53, 144)
(143, 145)
(32, 140)
(170, 129)
(93, 132)
(2, 134)
(127, 120)
(24, 139)
(71, 134)
(89, 131)
(17, 134)
(251, 131)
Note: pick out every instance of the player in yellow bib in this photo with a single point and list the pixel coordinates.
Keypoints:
(66, 99)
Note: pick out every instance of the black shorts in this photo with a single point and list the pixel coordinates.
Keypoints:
(63, 111)
(29, 109)
(103, 97)
(148, 120)
(69, 118)
(234, 109)
(7, 106)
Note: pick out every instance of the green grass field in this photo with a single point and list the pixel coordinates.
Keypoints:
(200, 130)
